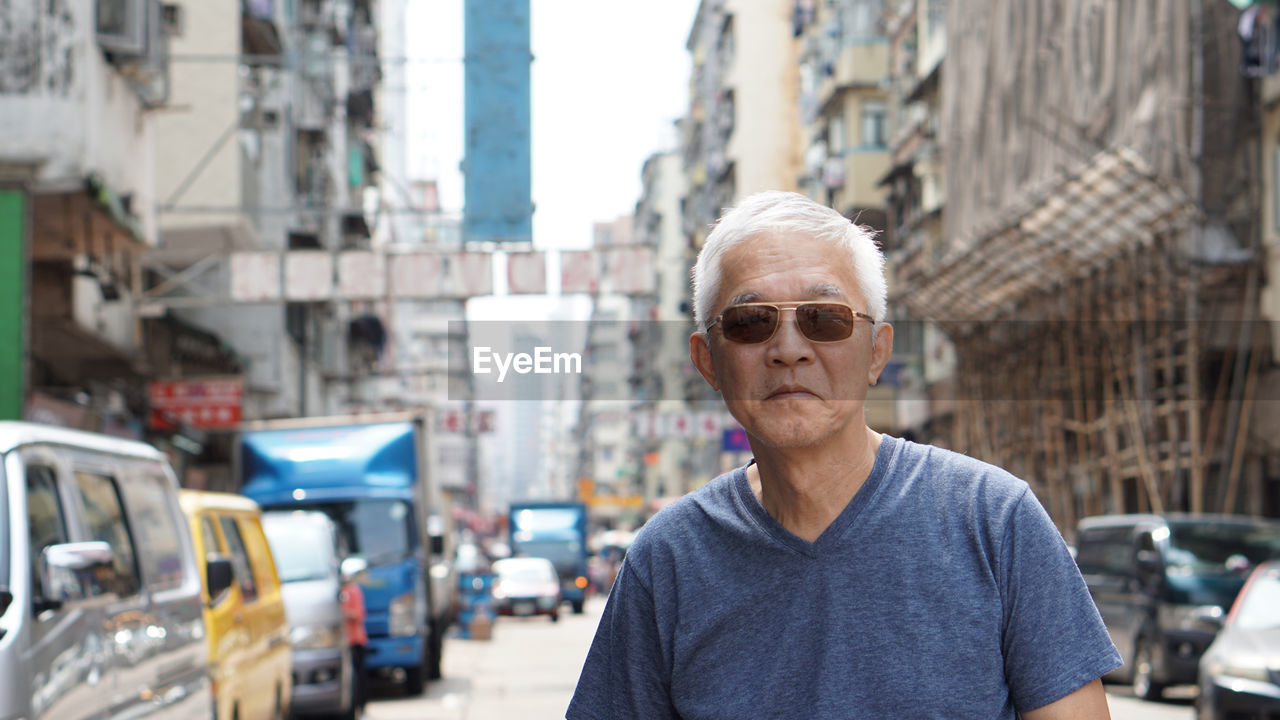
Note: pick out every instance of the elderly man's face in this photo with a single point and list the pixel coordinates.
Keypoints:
(790, 391)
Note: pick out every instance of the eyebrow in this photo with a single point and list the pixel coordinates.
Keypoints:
(819, 290)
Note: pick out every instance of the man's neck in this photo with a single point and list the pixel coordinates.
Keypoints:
(806, 489)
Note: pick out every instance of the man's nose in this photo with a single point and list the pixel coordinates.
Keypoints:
(789, 346)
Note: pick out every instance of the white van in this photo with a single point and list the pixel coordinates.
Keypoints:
(100, 596)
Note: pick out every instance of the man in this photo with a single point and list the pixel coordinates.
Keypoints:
(842, 573)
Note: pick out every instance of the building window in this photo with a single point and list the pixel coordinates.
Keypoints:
(875, 116)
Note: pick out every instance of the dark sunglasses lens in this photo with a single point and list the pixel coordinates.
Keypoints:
(749, 324)
(825, 322)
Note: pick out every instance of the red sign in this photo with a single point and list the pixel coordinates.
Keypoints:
(209, 403)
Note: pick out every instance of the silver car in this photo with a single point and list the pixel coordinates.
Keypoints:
(304, 545)
(100, 599)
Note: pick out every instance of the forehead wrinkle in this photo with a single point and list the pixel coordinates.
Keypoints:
(823, 290)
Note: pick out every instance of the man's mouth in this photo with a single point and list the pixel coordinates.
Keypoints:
(791, 391)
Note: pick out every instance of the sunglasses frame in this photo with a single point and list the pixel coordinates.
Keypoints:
(779, 307)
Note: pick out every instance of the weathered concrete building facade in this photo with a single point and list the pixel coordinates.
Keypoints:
(1099, 270)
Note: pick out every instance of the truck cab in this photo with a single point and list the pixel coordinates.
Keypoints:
(369, 476)
(556, 531)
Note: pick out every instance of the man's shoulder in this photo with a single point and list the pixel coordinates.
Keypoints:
(956, 471)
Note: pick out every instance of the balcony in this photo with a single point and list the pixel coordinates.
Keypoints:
(84, 255)
(860, 65)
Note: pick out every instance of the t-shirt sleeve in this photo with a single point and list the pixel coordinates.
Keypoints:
(1054, 640)
(626, 674)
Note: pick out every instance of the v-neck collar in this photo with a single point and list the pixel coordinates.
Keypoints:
(889, 447)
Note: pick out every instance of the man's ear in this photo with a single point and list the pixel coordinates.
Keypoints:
(881, 349)
(700, 354)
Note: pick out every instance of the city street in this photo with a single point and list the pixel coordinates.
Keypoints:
(529, 668)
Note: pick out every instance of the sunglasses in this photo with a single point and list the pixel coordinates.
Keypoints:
(752, 323)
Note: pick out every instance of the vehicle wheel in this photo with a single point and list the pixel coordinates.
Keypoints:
(415, 681)
(1144, 684)
(577, 606)
(555, 617)
(435, 652)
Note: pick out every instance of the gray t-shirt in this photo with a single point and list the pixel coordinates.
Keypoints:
(943, 590)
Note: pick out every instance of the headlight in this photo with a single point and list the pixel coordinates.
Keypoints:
(1245, 667)
(400, 621)
(316, 637)
(498, 593)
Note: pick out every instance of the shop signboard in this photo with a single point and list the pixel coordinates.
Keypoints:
(209, 403)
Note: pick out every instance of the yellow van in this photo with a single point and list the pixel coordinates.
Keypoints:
(249, 653)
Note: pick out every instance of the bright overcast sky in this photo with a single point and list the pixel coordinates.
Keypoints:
(609, 77)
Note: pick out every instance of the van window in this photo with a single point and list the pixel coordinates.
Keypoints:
(239, 558)
(105, 521)
(210, 537)
(1106, 551)
(46, 524)
(302, 550)
(156, 529)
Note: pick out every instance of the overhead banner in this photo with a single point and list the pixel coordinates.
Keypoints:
(527, 273)
(362, 275)
(255, 276)
(321, 276)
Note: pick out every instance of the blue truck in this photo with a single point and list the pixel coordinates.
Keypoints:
(370, 474)
(556, 531)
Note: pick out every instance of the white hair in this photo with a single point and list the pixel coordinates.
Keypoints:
(775, 212)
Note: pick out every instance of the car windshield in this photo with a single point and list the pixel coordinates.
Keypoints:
(564, 554)
(380, 531)
(1207, 563)
(1209, 549)
(300, 549)
(526, 573)
(1260, 608)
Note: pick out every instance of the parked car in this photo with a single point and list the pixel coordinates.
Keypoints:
(1240, 672)
(244, 612)
(100, 593)
(526, 586)
(305, 545)
(1163, 584)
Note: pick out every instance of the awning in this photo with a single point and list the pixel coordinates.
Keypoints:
(1061, 231)
(75, 353)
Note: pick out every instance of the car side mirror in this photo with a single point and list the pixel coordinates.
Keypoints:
(219, 575)
(353, 566)
(74, 571)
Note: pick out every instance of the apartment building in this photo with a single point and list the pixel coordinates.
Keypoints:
(664, 369)
(1100, 267)
(80, 83)
(741, 133)
(270, 148)
(915, 197)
